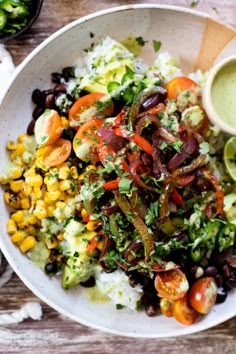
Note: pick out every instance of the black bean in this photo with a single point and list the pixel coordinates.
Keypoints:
(30, 128)
(231, 283)
(51, 268)
(37, 96)
(219, 280)
(56, 77)
(150, 310)
(50, 101)
(68, 72)
(88, 283)
(221, 295)
(60, 88)
(210, 271)
(226, 270)
(37, 112)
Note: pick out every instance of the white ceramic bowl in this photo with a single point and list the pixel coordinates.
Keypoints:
(198, 42)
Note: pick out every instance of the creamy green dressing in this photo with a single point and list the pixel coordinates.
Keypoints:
(95, 296)
(223, 94)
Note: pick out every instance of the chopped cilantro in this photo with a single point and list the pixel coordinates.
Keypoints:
(141, 41)
(119, 306)
(195, 3)
(124, 185)
(204, 148)
(152, 213)
(156, 45)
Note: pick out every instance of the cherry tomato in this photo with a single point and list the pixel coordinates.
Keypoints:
(48, 128)
(183, 313)
(202, 295)
(57, 153)
(89, 106)
(166, 307)
(178, 85)
(86, 139)
(171, 284)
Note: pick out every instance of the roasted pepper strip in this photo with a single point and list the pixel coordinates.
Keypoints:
(138, 223)
(219, 191)
(135, 138)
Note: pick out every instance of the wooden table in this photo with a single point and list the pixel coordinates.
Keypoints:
(55, 334)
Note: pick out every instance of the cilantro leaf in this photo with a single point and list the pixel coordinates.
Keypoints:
(156, 45)
(124, 185)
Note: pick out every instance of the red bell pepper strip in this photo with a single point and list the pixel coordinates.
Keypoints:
(114, 184)
(184, 180)
(177, 198)
(136, 138)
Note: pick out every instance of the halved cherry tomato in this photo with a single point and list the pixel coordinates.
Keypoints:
(166, 307)
(202, 294)
(90, 105)
(57, 153)
(178, 85)
(86, 139)
(183, 313)
(48, 128)
(171, 284)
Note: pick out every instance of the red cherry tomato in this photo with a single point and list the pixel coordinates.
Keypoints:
(183, 313)
(178, 85)
(166, 307)
(90, 105)
(57, 153)
(171, 284)
(202, 295)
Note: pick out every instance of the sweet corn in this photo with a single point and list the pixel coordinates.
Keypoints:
(40, 210)
(12, 199)
(18, 236)
(84, 213)
(25, 203)
(60, 236)
(34, 180)
(11, 226)
(18, 151)
(64, 172)
(53, 187)
(26, 189)
(52, 196)
(16, 186)
(51, 242)
(50, 210)
(31, 230)
(74, 172)
(32, 219)
(65, 122)
(92, 225)
(28, 243)
(16, 172)
(17, 216)
(36, 194)
(90, 168)
(22, 137)
(61, 205)
(11, 145)
(64, 185)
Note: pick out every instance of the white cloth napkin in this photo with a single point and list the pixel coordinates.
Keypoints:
(7, 68)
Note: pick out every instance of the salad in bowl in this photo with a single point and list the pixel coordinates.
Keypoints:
(118, 185)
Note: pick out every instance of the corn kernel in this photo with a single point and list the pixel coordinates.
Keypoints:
(52, 196)
(16, 172)
(11, 226)
(18, 151)
(50, 210)
(61, 205)
(84, 213)
(18, 216)
(11, 145)
(36, 194)
(18, 236)
(34, 180)
(64, 185)
(53, 187)
(31, 230)
(26, 189)
(25, 203)
(91, 167)
(28, 243)
(51, 242)
(92, 225)
(22, 137)
(65, 122)
(32, 219)
(60, 236)
(64, 172)
(12, 199)
(74, 172)
(40, 210)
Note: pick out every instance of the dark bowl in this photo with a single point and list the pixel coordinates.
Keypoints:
(34, 13)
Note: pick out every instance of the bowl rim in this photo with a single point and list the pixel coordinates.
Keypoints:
(38, 293)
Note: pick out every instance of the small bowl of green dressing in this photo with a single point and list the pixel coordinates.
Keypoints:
(219, 95)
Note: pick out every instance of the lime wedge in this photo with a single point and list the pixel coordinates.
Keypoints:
(230, 207)
(230, 157)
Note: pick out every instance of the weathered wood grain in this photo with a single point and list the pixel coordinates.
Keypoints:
(55, 334)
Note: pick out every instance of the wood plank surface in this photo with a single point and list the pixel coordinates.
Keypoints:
(54, 333)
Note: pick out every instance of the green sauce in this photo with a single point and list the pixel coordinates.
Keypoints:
(95, 296)
(224, 94)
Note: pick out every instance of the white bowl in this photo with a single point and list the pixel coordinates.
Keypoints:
(199, 42)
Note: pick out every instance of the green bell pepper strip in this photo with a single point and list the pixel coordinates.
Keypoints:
(226, 237)
(138, 223)
(3, 19)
